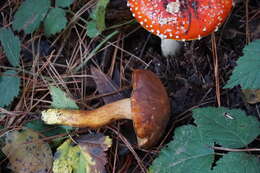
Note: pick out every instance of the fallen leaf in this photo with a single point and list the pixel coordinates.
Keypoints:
(252, 96)
(27, 152)
(93, 147)
(85, 154)
(106, 85)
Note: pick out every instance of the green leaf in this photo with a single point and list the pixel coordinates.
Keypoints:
(55, 21)
(66, 158)
(227, 127)
(30, 14)
(46, 130)
(27, 152)
(235, 162)
(9, 87)
(97, 25)
(188, 152)
(247, 72)
(100, 14)
(92, 30)
(63, 3)
(60, 100)
(11, 45)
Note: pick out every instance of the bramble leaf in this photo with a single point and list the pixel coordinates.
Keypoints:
(63, 3)
(9, 87)
(55, 21)
(60, 100)
(247, 72)
(30, 14)
(11, 45)
(237, 162)
(192, 147)
(27, 152)
(188, 152)
(227, 127)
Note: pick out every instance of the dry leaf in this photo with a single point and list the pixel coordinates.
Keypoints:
(252, 96)
(87, 155)
(105, 85)
(27, 153)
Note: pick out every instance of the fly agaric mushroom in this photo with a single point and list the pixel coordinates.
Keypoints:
(180, 19)
(148, 107)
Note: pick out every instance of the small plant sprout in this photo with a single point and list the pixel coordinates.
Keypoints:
(180, 19)
(148, 107)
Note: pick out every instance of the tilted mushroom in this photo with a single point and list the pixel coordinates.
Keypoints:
(180, 19)
(148, 107)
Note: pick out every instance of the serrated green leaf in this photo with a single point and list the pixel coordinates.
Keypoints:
(247, 72)
(235, 162)
(60, 100)
(11, 45)
(9, 87)
(55, 21)
(227, 127)
(63, 3)
(188, 152)
(30, 14)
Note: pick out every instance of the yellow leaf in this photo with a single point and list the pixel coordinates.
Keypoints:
(252, 96)
(27, 152)
(86, 155)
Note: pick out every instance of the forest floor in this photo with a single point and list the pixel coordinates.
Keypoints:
(189, 77)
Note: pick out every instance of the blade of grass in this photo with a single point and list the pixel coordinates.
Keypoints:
(94, 51)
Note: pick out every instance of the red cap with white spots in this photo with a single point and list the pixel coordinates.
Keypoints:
(180, 19)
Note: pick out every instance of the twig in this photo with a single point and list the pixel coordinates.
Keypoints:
(247, 24)
(216, 70)
(236, 150)
(94, 51)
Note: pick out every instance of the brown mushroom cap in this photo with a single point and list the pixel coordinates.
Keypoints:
(150, 107)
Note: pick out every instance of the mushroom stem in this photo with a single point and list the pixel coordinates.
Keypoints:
(94, 118)
(170, 47)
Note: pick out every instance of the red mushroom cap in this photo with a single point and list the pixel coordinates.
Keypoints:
(180, 19)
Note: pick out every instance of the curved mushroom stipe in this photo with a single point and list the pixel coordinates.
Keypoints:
(148, 107)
